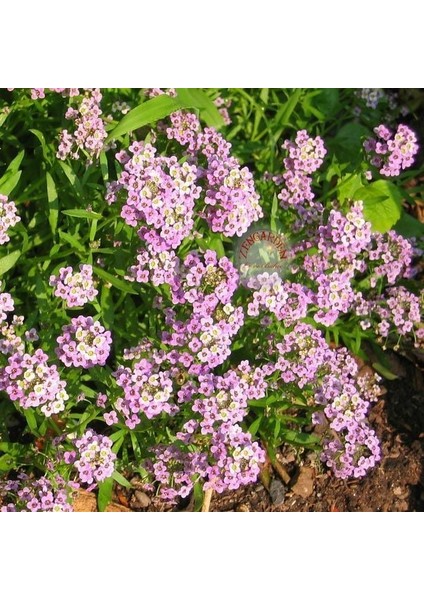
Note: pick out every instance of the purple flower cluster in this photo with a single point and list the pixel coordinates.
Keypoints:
(302, 355)
(160, 196)
(390, 255)
(184, 129)
(35, 495)
(234, 460)
(89, 134)
(305, 156)
(397, 311)
(93, 457)
(206, 286)
(75, 288)
(8, 217)
(224, 399)
(390, 153)
(84, 343)
(286, 300)
(147, 389)
(31, 382)
(6, 305)
(39, 93)
(353, 448)
(223, 105)
(232, 203)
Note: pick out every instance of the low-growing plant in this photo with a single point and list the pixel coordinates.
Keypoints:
(138, 333)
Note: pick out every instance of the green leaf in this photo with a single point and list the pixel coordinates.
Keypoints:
(382, 204)
(72, 178)
(67, 237)
(53, 202)
(7, 262)
(347, 186)
(80, 213)
(105, 494)
(198, 496)
(14, 164)
(9, 182)
(409, 226)
(347, 143)
(300, 439)
(30, 417)
(40, 136)
(104, 167)
(386, 373)
(121, 480)
(253, 429)
(197, 98)
(118, 283)
(327, 101)
(285, 112)
(147, 113)
(7, 462)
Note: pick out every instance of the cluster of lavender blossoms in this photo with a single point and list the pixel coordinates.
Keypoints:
(75, 288)
(93, 457)
(89, 128)
(84, 343)
(30, 381)
(8, 217)
(305, 156)
(392, 153)
(35, 495)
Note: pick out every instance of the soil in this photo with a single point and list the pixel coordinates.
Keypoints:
(395, 485)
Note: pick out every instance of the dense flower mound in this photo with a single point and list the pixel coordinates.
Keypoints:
(84, 343)
(75, 288)
(8, 217)
(35, 495)
(93, 457)
(208, 367)
(392, 153)
(30, 381)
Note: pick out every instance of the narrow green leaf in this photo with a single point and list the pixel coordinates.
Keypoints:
(149, 112)
(198, 496)
(104, 167)
(253, 429)
(7, 262)
(299, 438)
(118, 283)
(285, 112)
(386, 373)
(53, 202)
(31, 419)
(71, 176)
(119, 478)
(197, 98)
(105, 494)
(67, 237)
(14, 165)
(80, 213)
(40, 136)
(9, 182)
